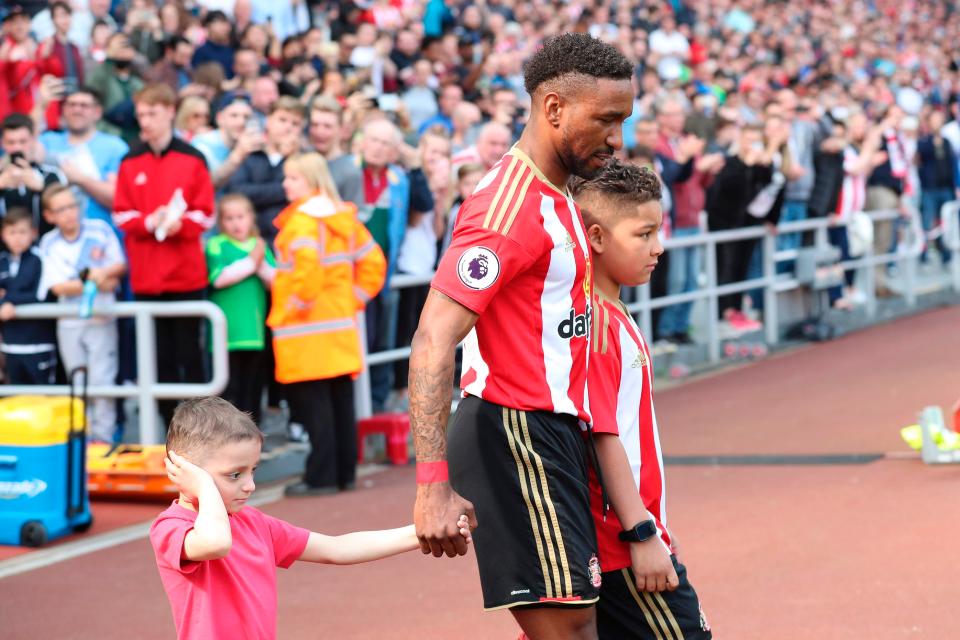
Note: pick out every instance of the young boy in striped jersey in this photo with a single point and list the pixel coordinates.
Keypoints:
(644, 593)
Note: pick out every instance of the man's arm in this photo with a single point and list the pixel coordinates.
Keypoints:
(443, 324)
(650, 560)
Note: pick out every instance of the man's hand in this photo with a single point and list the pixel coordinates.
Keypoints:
(7, 311)
(690, 146)
(155, 219)
(28, 177)
(436, 516)
(652, 567)
(189, 479)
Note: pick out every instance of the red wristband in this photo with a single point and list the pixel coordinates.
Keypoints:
(428, 472)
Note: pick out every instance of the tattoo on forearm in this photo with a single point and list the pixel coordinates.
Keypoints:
(431, 385)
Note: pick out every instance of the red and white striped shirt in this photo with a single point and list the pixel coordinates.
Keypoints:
(853, 190)
(620, 383)
(519, 258)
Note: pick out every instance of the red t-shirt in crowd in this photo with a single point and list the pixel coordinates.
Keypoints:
(621, 400)
(233, 597)
(519, 258)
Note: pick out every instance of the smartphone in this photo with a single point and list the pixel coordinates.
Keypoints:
(388, 102)
(16, 156)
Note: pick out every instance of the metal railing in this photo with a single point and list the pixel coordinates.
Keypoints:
(771, 282)
(146, 390)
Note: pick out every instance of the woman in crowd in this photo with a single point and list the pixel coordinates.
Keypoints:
(328, 267)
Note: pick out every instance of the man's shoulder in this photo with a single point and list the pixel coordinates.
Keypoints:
(136, 150)
(108, 142)
(182, 147)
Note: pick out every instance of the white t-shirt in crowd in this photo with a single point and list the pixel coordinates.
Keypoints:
(418, 252)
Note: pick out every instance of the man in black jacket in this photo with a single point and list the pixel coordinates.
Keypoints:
(260, 175)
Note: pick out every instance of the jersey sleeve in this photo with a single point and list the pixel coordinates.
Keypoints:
(603, 376)
(167, 535)
(289, 541)
(479, 261)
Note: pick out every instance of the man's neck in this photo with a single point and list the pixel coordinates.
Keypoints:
(159, 146)
(79, 137)
(546, 160)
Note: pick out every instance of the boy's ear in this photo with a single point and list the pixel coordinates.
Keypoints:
(596, 238)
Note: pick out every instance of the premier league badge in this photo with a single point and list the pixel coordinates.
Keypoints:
(478, 268)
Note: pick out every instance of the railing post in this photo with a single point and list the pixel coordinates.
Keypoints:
(713, 303)
(907, 263)
(146, 377)
(870, 281)
(771, 314)
(362, 401)
(646, 313)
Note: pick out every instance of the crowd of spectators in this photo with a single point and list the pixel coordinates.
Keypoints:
(159, 114)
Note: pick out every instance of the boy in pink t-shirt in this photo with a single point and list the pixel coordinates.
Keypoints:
(217, 557)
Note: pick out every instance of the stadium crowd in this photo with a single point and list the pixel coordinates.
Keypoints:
(194, 149)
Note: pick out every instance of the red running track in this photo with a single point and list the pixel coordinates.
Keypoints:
(780, 552)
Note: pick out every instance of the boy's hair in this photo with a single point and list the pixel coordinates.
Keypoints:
(157, 93)
(200, 425)
(245, 201)
(16, 215)
(290, 105)
(624, 186)
(52, 192)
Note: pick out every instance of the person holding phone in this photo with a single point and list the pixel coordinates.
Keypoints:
(22, 179)
(59, 61)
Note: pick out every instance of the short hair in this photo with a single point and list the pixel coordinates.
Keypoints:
(16, 215)
(174, 41)
(290, 105)
(201, 425)
(326, 104)
(52, 192)
(156, 94)
(62, 6)
(88, 91)
(619, 182)
(17, 121)
(575, 53)
(471, 167)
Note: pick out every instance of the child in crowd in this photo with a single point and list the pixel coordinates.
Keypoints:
(644, 592)
(76, 252)
(241, 269)
(217, 556)
(468, 177)
(29, 346)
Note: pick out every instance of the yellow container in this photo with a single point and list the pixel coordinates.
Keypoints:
(38, 421)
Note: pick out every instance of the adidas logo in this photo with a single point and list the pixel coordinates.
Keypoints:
(640, 361)
(569, 244)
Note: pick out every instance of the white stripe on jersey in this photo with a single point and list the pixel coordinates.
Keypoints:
(472, 359)
(582, 240)
(556, 302)
(629, 352)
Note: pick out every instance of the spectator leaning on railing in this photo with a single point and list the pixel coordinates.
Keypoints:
(163, 204)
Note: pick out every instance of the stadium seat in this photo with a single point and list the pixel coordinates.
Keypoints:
(394, 426)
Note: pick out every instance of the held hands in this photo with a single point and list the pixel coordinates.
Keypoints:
(439, 516)
(256, 254)
(652, 568)
(189, 479)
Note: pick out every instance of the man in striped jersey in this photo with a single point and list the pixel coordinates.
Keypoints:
(515, 286)
(645, 593)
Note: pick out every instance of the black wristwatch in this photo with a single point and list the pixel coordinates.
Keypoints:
(639, 533)
(84, 274)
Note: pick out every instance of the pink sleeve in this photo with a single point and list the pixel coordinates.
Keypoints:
(166, 536)
(478, 263)
(289, 541)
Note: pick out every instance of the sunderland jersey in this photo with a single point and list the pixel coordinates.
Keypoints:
(621, 400)
(519, 258)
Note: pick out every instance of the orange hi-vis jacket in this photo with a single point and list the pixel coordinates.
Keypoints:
(328, 268)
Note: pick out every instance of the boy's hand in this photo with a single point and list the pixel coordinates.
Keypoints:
(652, 567)
(7, 311)
(190, 479)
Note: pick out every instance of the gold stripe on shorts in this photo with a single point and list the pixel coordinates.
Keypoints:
(564, 564)
(669, 614)
(628, 578)
(507, 426)
(540, 497)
